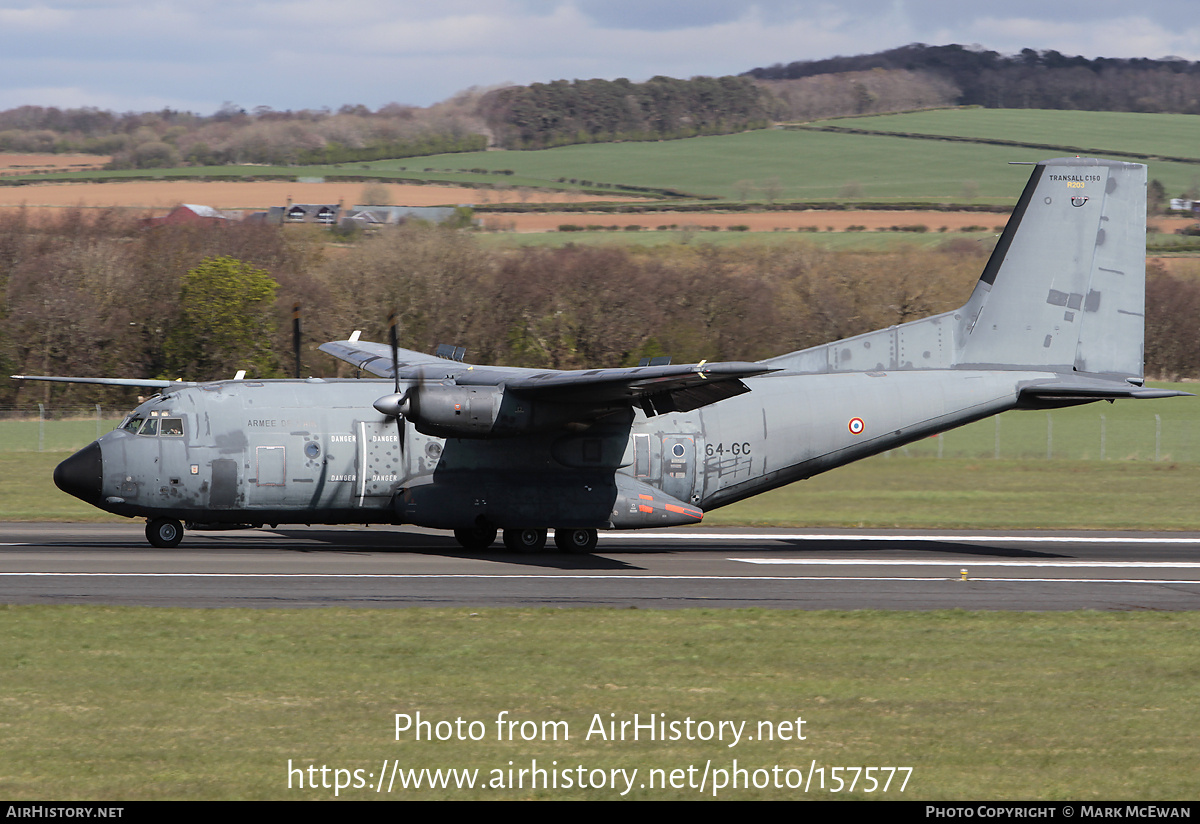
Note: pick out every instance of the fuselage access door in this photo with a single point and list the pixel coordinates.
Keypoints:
(379, 464)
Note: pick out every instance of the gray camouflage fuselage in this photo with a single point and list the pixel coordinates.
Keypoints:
(316, 452)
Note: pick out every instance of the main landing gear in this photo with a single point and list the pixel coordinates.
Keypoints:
(525, 540)
(528, 540)
(476, 538)
(581, 541)
(166, 533)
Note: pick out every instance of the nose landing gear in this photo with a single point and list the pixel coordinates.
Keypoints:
(164, 533)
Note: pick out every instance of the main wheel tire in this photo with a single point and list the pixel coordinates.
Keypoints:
(581, 541)
(525, 540)
(476, 537)
(164, 533)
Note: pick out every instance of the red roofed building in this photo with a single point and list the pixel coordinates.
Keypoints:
(186, 213)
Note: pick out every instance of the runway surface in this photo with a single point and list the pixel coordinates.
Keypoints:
(719, 568)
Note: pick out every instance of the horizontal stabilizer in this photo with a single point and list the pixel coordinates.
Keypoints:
(1074, 389)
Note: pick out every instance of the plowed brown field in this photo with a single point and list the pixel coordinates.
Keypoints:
(838, 221)
(23, 164)
(159, 196)
(757, 221)
(162, 195)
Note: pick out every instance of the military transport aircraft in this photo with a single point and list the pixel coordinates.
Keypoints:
(1056, 319)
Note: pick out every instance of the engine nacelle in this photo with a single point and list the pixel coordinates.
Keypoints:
(452, 411)
(455, 411)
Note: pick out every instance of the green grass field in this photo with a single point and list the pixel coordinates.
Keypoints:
(809, 166)
(1155, 135)
(128, 703)
(65, 435)
(651, 238)
(814, 166)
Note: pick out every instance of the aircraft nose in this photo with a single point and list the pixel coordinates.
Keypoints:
(82, 474)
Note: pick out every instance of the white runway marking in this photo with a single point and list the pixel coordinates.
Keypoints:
(790, 536)
(971, 562)
(629, 577)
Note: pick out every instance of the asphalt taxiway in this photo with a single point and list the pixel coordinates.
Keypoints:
(775, 568)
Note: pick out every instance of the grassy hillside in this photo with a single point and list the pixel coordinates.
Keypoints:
(787, 165)
(809, 166)
(1162, 135)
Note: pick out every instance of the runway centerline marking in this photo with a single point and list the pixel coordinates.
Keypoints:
(969, 562)
(629, 577)
(848, 537)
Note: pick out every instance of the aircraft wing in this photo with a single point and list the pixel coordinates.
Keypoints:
(657, 389)
(376, 358)
(146, 382)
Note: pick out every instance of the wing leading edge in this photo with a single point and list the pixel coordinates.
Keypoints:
(656, 389)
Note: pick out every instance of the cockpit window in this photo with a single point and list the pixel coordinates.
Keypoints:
(156, 425)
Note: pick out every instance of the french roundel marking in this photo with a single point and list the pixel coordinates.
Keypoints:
(856, 426)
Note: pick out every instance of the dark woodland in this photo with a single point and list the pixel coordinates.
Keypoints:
(93, 294)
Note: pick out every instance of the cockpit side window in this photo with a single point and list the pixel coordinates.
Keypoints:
(171, 428)
(150, 427)
(132, 423)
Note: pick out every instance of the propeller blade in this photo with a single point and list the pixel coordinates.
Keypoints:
(400, 399)
(392, 341)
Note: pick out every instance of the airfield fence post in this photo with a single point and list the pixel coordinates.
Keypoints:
(97, 421)
(996, 456)
(41, 426)
(1157, 437)
(1102, 433)
(1049, 437)
(940, 436)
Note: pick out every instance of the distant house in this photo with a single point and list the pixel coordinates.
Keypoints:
(326, 214)
(367, 216)
(187, 213)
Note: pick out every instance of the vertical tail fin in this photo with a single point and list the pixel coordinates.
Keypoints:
(1064, 289)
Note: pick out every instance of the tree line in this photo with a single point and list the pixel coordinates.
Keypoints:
(543, 115)
(91, 294)
(232, 135)
(519, 117)
(1028, 80)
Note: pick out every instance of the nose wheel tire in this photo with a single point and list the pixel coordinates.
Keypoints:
(580, 541)
(476, 538)
(164, 533)
(525, 540)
